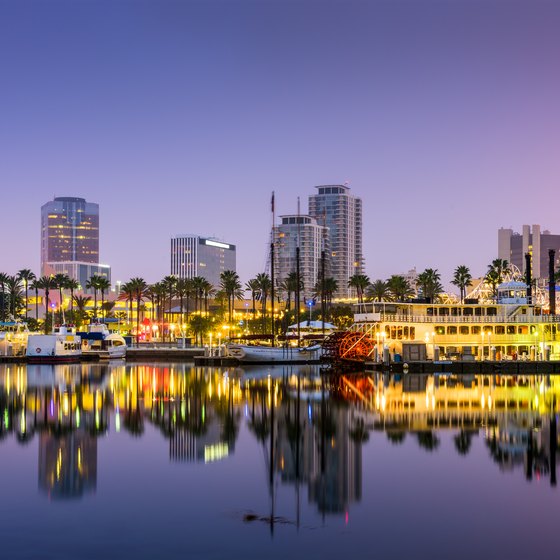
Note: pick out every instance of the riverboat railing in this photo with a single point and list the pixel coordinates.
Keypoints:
(469, 319)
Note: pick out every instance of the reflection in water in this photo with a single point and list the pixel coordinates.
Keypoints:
(311, 428)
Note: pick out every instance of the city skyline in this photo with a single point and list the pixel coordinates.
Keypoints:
(442, 116)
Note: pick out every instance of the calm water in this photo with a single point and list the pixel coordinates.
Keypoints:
(172, 461)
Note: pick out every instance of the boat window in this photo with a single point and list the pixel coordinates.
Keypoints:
(475, 330)
(464, 329)
(451, 330)
(443, 311)
(440, 330)
(478, 311)
(524, 329)
(455, 311)
(429, 311)
(393, 333)
(387, 331)
(500, 329)
(488, 330)
(405, 332)
(412, 333)
(491, 311)
(467, 311)
(399, 333)
(533, 329)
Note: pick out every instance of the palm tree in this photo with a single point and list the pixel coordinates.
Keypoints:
(14, 287)
(46, 283)
(72, 285)
(253, 287)
(462, 278)
(126, 293)
(103, 285)
(359, 282)
(157, 293)
(35, 288)
(170, 282)
(198, 283)
(495, 275)
(378, 291)
(399, 288)
(231, 286)
(183, 289)
(26, 276)
(265, 285)
(93, 284)
(290, 286)
(139, 289)
(3, 280)
(81, 303)
(61, 281)
(429, 282)
(207, 292)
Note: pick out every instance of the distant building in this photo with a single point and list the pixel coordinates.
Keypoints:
(305, 232)
(192, 255)
(513, 246)
(70, 239)
(334, 207)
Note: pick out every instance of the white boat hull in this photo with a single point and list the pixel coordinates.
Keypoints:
(266, 354)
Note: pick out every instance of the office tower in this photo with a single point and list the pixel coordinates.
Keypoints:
(192, 255)
(70, 239)
(304, 231)
(334, 207)
(513, 246)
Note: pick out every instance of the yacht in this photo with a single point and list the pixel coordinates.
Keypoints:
(98, 339)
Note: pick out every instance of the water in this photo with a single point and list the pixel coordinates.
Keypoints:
(172, 461)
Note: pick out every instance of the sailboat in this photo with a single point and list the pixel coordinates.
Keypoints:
(284, 353)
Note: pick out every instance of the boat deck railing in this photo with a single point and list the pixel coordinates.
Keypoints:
(462, 319)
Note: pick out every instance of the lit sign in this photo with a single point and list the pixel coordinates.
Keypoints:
(216, 244)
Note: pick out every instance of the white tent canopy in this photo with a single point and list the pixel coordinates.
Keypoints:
(312, 325)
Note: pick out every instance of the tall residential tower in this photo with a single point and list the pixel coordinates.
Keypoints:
(334, 207)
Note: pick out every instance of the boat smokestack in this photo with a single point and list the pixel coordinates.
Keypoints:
(528, 278)
(551, 282)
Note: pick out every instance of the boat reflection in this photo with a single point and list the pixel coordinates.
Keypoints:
(312, 427)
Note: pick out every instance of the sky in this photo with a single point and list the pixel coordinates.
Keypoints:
(183, 117)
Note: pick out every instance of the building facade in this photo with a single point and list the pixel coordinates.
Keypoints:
(192, 255)
(336, 208)
(305, 232)
(70, 239)
(513, 246)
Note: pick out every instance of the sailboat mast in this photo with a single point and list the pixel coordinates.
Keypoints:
(297, 294)
(272, 269)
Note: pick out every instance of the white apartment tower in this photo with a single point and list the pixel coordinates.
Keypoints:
(311, 237)
(334, 207)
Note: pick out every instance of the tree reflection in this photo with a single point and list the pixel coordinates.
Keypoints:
(428, 440)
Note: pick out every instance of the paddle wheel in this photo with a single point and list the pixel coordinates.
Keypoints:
(350, 345)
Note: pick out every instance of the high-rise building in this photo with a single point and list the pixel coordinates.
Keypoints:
(513, 246)
(311, 237)
(192, 255)
(70, 239)
(334, 207)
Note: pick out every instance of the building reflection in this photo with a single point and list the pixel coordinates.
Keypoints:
(311, 427)
(517, 416)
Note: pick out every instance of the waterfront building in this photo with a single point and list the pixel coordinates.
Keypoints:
(513, 246)
(192, 255)
(70, 239)
(336, 208)
(305, 232)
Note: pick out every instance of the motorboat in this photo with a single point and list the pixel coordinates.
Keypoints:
(98, 339)
(63, 345)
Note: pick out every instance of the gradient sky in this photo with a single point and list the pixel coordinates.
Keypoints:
(183, 116)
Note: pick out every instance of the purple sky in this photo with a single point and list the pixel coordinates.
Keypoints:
(180, 117)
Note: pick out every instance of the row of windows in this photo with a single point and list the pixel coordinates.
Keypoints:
(498, 329)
